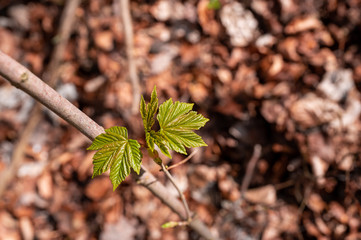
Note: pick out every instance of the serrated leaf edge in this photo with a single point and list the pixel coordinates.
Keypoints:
(128, 149)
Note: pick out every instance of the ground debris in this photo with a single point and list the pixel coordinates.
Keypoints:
(283, 74)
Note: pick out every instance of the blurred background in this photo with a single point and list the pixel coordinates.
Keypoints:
(279, 80)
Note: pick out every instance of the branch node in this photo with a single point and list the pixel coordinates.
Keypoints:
(24, 77)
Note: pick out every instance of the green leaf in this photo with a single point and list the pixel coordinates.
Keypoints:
(152, 138)
(117, 152)
(149, 110)
(177, 123)
(214, 4)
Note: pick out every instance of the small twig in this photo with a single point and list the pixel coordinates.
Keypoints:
(129, 45)
(257, 151)
(183, 161)
(17, 157)
(179, 191)
(62, 38)
(283, 185)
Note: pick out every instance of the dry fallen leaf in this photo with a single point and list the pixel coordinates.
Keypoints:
(319, 168)
(163, 60)
(338, 211)
(224, 75)
(318, 145)
(104, 40)
(240, 24)
(26, 228)
(124, 228)
(94, 84)
(274, 112)
(98, 188)
(8, 43)
(301, 24)
(347, 162)
(45, 185)
(244, 81)
(162, 10)
(335, 85)
(108, 66)
(311, 111)
(265, 9)
(262, 195)
(228, 188)
(35, 61)
(311, 228)
(207, 19)
(324, 58)
(316, 203)
(288, 47)
(288, 8)
(272, 65)
(322, 226)
(265, 42)
(198, 92)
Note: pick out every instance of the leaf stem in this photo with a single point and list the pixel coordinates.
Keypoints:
(167, 173)
(183, 161)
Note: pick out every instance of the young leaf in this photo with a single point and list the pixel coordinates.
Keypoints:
(117, 152)
(149, 110)
(170, 224)
(177, 123)
(152, 138)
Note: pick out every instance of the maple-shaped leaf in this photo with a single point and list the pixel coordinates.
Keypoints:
(177, 122)
(149, 110)
(117, 152)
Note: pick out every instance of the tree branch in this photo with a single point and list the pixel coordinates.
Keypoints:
(22, 78)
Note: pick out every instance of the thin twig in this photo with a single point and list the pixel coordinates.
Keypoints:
(183, 161)
(257, 151)
(286, 184)
(181, 195)
(129, 45)
(52, 72)
(18, 154)
(22, 78)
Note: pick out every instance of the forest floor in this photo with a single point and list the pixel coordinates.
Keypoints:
(279, 80)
